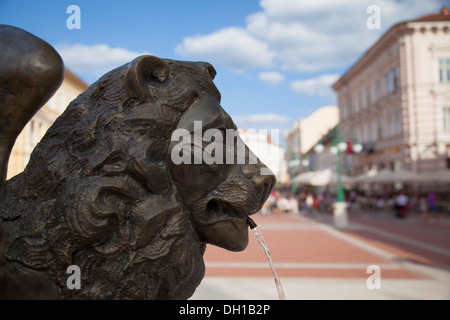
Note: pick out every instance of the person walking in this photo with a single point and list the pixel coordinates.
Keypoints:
(423, 204)
(293, 204)
(432, 210)
(309, 203)
(401, 205)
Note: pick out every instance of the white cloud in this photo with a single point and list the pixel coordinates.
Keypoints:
(95, 60)
(317, 35)
(271, 77)
(233, 47)
(320, 86)
(262, 121)
(303, 35)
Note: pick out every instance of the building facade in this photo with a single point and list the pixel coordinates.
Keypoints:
(32, 133)
(396, 99)
(306, 133)
(268, 150)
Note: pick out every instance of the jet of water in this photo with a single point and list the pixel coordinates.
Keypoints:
(265, 248)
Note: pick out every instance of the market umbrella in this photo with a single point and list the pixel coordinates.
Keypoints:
(441, 176)
(406, 176)
(304, 178)
(390, 176)
(365, 176)
(328, 176)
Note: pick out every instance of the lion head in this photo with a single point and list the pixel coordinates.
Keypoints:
(102, 192)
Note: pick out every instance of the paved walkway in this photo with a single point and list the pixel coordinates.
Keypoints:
(314, 260)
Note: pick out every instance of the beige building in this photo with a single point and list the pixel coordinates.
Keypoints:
(306, 133)
(267, 149)
(32, 133)
(396, 99)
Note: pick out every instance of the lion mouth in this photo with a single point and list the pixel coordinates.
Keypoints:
(219, 211)
(224, 225)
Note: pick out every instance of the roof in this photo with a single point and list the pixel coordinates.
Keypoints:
(444, 15)
(70, 75)
(326, 138)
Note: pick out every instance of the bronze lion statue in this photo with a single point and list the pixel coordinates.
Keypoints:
(101, 191)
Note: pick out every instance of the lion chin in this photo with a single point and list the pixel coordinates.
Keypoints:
(102, 193)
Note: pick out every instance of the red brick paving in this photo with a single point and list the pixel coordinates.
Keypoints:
(297, 246)
(402, 250)
(310, 273)
(413, 227)
(299, 241)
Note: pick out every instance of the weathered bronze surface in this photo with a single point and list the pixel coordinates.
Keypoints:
(30, 72)
(101, 191)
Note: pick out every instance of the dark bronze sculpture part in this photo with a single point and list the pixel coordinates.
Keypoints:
(101, 191)
(30, 72)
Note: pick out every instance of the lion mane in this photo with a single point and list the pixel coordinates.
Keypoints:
(98, 193)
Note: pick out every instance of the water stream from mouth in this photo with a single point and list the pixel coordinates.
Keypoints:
(265, 248)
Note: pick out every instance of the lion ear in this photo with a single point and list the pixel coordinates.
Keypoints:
(145, 72)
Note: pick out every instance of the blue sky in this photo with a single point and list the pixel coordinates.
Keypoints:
(275, 59)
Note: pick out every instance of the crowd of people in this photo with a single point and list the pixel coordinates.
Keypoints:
(400, 203)
(305, 202)
(309, 203)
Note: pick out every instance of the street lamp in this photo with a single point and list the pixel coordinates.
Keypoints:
(357, 147)
(305, 162)
(340, 206)
(318, 148)
(293, 164)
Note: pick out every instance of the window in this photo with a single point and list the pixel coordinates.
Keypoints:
(377, 90)
(31, 132)
(360, 101)
(40, 130)
(398, 123)
(350, 106)
(34, 133)
(368, 97)
(388, 79)
(371, 127)
(392, 81)
(360, 133)
(390, 125)
(395, 82)
(447, 118)
(343, 112)
(444, 70)
(367, 135)
(379, 130)
(347, 109)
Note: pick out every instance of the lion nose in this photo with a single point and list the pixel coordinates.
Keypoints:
(260, 178)
(266, 182)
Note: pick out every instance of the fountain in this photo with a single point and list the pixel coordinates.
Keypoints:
(262, 242)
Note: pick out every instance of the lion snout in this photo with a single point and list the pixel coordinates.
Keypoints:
(263, 183)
